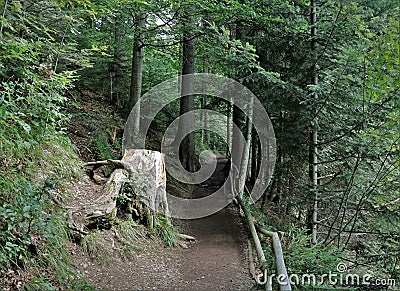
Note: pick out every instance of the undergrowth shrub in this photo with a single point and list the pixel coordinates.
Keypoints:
(37, 161)
(305, 259)
(34, 235)
(101, 146)
(301, 257)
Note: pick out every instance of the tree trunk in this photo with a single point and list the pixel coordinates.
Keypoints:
(237, 146)
(313, 160)
(137, 71)
(207, 138)
(202, 118)
(205, 134)
(246, 151)
(254, 155)
(187, 148)
(115, 65)
(229, 128)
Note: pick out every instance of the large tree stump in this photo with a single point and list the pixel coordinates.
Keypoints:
(148, 179)
(147, 175)
(144, 170)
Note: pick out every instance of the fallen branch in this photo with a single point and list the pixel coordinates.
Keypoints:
(186, 237)
(251, 260)
(117, 163)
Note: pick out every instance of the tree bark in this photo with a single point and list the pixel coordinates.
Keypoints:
(137, 71)
(202, 118)
(246, 151)
(103, 208)
(313, 160)
(229, 128)
(237, 147)
(187, 148)
(144, 170)
(254, 156)
(116, 63)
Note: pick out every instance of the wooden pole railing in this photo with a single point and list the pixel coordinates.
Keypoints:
(282, 275)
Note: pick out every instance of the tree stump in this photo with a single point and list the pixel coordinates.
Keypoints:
(144, 170)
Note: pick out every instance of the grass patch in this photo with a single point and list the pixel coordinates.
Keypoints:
(130, 233)
(165, 230)
(97, 247)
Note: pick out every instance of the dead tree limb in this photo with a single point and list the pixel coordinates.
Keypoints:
(117, 163)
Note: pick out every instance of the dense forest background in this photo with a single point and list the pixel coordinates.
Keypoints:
(326, 71)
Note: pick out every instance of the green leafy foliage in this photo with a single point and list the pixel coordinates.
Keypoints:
(166, 230)
(301, 258)
(37, 160)
(22, 217)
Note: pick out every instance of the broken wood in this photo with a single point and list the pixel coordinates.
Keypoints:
(186, 237)
(117, 163)
(147, 176)
(103, 207)
(183, 245)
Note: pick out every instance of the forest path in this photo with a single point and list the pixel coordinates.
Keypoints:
(218, 258)
(216, 261)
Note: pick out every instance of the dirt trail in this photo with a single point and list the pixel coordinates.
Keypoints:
(218, 259)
